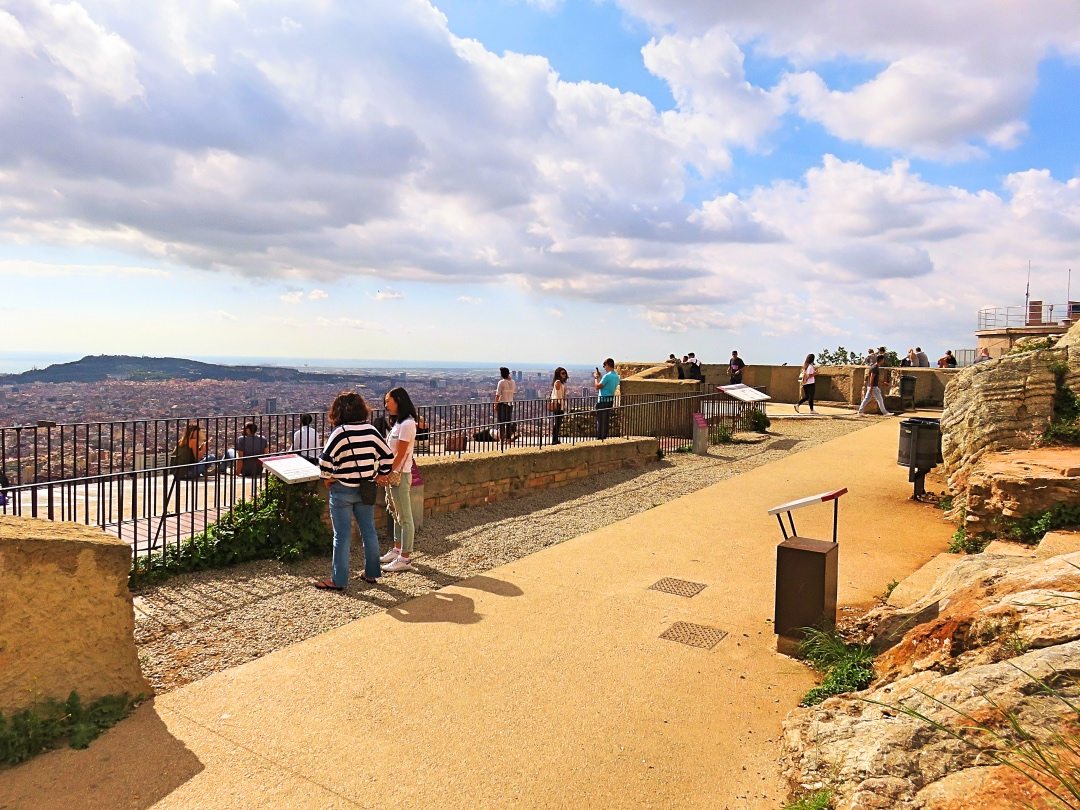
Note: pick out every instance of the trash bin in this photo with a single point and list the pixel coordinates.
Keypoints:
(919, 450)
(920, 443)
(907, 389)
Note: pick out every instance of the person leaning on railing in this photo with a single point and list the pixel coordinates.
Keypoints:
(249, 443)
(504, 405)
(557, 404)
(606, 385)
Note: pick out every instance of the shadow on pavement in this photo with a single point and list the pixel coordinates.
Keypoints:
(130, 767)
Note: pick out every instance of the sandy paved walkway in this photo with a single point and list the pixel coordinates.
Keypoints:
(542, 683)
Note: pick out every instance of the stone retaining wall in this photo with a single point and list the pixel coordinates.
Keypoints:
(840, 384)
(452, 483)
(66, 617)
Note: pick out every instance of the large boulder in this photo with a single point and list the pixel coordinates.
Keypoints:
(977, 644)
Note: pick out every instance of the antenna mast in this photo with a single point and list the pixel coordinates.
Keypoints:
(1027, 294)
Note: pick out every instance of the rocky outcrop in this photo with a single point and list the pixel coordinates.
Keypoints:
(998, 405)
(1007, 486)
(977, 644)
(66, 616)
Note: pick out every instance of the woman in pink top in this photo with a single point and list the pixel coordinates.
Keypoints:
(809, 383)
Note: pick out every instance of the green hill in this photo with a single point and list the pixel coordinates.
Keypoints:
(96, 368)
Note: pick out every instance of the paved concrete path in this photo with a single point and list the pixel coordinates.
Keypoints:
(542, 683)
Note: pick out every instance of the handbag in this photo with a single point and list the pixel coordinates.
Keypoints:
(368, 492)
(553, 406)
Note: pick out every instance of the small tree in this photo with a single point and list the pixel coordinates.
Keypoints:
(840, 357)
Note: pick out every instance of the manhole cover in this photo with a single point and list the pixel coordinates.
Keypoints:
(679, 587)
(784, 444)
(696, 635)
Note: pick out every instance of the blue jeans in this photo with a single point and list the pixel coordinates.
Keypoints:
(344, 506)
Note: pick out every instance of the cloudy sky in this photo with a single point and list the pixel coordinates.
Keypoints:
(544, 180)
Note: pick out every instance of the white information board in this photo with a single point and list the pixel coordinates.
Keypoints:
(291, 468)
(744, 393)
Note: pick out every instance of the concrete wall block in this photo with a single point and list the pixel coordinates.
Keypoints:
(66, 616)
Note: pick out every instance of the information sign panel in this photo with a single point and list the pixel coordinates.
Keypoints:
(291, 468)
(744, 393)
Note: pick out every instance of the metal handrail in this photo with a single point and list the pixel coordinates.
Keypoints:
(1035, 314)
(153, 505)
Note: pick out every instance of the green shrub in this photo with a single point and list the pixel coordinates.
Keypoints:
(962, 543)
(41, 728)
(719, 434)
(946, 503)
(819, 800)
(1065, 426)
(1032, 345)
(847, 667)
(756, 420)
(891, 587)
(283, 523)
(1031, 528)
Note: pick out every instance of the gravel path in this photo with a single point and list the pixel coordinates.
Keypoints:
(197, 624)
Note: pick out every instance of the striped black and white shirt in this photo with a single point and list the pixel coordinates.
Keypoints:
(354, 453)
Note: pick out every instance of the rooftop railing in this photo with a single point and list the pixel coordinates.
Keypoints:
(1036, 313)
(136, 495)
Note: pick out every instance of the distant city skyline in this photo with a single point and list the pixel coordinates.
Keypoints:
(566, 180)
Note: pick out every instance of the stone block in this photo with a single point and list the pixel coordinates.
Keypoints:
(66, 616)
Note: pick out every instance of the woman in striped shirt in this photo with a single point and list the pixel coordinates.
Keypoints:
(354, 454)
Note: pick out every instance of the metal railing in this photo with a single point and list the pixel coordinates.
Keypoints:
(155, 506)
(1035, 314)
(49, 451)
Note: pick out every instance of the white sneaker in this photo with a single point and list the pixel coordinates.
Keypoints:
(390, 556)
(397, 564)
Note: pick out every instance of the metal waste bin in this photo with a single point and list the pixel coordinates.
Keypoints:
(919, 449)
(907, 390)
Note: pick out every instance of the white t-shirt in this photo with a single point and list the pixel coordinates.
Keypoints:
(808, 374)
(403, 432)
(558, 393)
(504, 391)
(306, 440)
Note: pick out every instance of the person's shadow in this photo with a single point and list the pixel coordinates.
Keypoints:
(438, 606)
(446, 606)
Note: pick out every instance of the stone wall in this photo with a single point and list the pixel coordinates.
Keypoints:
(840, 384)
(452, 483)
(66, 617)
